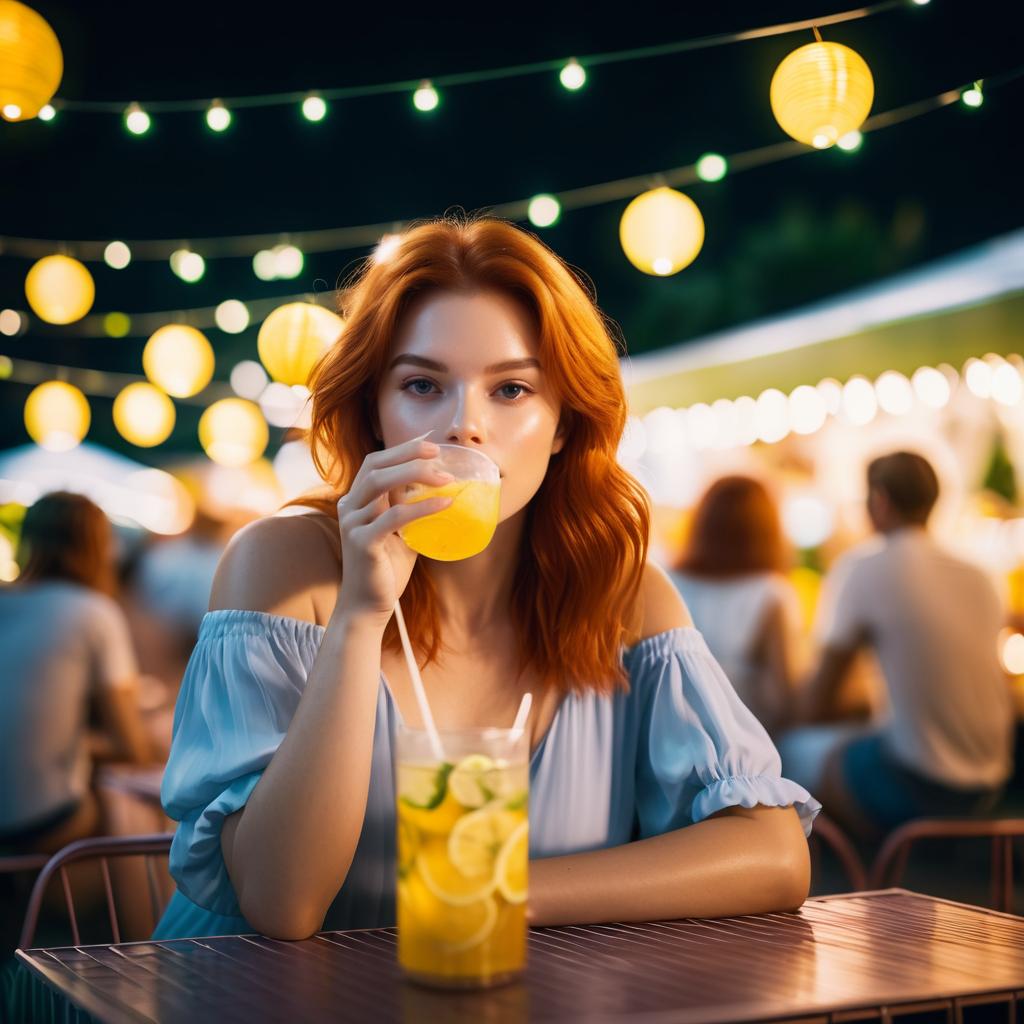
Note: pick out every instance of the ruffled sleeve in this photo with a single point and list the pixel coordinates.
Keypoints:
(239, 693)
(699, 748)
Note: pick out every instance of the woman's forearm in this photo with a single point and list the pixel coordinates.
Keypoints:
(738, 862)
(294, 841)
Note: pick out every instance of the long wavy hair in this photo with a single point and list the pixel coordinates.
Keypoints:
(66, 536)
(574, 599)
(736, 531)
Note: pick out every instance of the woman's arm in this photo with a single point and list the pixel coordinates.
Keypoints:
(738, 861)
(124, 728)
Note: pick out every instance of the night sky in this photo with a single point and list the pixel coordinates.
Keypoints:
(777, 237)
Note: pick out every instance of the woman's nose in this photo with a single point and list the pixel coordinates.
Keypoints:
(467, 423)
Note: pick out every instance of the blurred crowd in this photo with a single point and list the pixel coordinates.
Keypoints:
(96, 633)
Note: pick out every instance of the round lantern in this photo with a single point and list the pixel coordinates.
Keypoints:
(233, 432)
(57, 415)
(59, 289)
(143, 415)
(179, 360)
(31, 62)
(821, 92)
(661, 231)
(294, 337)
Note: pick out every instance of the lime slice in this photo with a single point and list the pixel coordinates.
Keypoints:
(424, 786)
(477, 838)
(468, 780)
(445, 880)
(456, 928)
(408, 844)
(511, 870)
(518, 802)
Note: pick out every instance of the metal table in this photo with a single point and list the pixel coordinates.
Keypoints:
(857, 956)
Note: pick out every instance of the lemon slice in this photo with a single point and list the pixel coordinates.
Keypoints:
(511, 870)
(456, 928)
(437, 821)
(477, 838)
(446, 881)
(468, 780)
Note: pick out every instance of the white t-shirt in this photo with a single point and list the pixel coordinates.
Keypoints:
(730, 613)
(61, 642)
(933, 621)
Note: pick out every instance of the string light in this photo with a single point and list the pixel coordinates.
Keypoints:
(931, 387)
(143, 415)
(544, 210)
(425, 98)
(117, 325)
(47, 112)
(314, 108)
(218, 117)
(136, 120)
(232, 316)
(31, 61)
(973, 96)
(57, 416)
(117, 255)
(573, 76)
(188, 265)
(248, 379)
(178, 359)
(59, 289)
(712, 167)
(233, 432)
(851, 141)
(661, 231)
(10, 323)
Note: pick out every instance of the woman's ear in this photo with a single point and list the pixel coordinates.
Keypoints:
(561, 436)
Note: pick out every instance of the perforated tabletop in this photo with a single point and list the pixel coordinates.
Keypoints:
(838, 954)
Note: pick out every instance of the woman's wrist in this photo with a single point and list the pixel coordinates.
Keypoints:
(364, 623)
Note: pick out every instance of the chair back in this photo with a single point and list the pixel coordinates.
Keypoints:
(891, 862)
(101, 849)
(828, 834)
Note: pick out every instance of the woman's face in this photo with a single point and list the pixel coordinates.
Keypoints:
(464, 369)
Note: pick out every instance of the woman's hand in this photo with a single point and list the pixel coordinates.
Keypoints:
(376, 562)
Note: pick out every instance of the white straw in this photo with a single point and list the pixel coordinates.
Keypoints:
(417, 685)
(523, 713)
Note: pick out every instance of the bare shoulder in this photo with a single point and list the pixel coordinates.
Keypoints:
(280, 564)
(662, 606)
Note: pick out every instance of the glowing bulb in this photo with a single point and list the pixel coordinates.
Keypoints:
(314, 108)
(233, 432)
(921, 3)
(288, 261)
(894, 393)
(712, 167)
(745, 419)
(248, 379)
(143, 415)
(1006, 385)
(57, 415)
(218, 117)
(544, 210)
(12, 112)
(386, 248)
(973, 96)
(572, 75)
(831, 392)
(178, 359)
(807, 411)
(6, 367)
(931, 387)
(136, 120)
(10, 322)
(59, 289)
(47, 112)
(117, 255)
(189, 266)
(1012, 652)
(425, 98)
(701, 425)
(231, 316)
(661, 231)
(264, 265)
(978, 378)
(851, 141)
(773, 421)
(117, 325)
(859, 402)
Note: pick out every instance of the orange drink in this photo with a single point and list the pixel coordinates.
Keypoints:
(462, 840)
(466, 526)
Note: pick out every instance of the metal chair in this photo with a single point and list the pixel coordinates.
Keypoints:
(828, 834)
(891, 861)
(101, 849)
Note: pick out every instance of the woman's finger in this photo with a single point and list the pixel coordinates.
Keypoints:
(378, 482)
(401, 515)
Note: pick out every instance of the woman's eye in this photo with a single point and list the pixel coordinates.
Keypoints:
(512, 391)
(418, 386)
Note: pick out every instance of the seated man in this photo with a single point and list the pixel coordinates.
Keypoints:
(932, 621)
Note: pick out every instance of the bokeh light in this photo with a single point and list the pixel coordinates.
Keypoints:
(544, 210)
(231, 316)
(178, 359)
(143, 414)
(233, 432)
(57, 415)
(573, 75)
(59, 289)
(31, 61)
(293, 337)
(661, 231)
(117, 255)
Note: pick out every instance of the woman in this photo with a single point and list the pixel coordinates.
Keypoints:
(731, 578)
(67, 658)
(281, 769)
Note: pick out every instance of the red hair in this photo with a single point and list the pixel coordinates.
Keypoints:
(586, 534)
(736, 531)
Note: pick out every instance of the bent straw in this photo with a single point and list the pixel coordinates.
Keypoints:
(523, 713)
(417, 685)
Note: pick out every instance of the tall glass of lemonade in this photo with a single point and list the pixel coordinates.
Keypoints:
(466, 526)
(463, 839)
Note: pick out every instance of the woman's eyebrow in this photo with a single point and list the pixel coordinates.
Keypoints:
(431, 364)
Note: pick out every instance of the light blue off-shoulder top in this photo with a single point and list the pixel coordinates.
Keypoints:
(674, 749)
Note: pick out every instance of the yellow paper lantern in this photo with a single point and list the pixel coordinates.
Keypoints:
(143, 414)
(59, 289)
(31, 62)
(294, 337)
(821, 92)
(57, 415)
(179, 360)
(233, 432)
(661, 231)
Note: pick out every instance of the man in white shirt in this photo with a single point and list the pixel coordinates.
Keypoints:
(932, 620)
